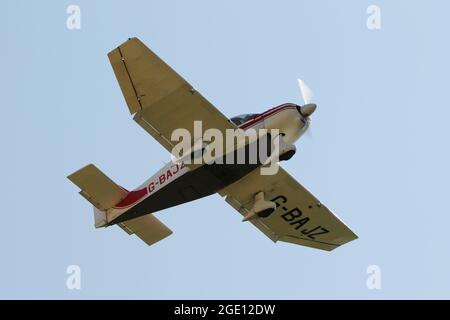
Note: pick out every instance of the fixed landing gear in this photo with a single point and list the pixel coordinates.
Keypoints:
(261, 208)
(287, 155)
(287, 151)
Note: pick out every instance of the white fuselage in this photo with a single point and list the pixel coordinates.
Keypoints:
(286, 118)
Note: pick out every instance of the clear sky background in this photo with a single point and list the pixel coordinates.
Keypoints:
(379, 154)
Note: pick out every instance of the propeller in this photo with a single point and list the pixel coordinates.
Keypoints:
(307, 93)
(308, 108)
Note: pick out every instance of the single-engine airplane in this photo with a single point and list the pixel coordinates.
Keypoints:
(162, 101)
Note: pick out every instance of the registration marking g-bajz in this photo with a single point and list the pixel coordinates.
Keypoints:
(297, 219)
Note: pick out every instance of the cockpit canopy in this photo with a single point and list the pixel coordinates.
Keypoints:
(243, 118)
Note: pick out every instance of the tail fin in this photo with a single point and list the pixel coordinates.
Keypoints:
(99, 190)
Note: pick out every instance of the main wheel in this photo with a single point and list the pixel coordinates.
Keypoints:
(265, 213)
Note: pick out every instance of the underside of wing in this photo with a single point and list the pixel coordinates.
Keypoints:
(148, 228)
(160, 99)
(299, 217)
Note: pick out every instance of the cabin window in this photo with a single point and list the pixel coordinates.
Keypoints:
(243, 118)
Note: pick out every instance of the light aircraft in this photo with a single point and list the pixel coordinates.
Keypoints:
(162, 101)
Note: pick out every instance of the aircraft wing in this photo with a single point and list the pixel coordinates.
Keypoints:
(299, 218)
(160, 99)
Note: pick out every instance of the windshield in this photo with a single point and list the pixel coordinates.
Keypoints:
(243, 118)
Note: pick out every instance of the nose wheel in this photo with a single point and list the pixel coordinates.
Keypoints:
(286, 151)
(287, 155)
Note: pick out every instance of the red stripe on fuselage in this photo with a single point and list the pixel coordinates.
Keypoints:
(267, 114)
(132, 197)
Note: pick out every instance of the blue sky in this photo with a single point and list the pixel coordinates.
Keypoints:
(378, 156)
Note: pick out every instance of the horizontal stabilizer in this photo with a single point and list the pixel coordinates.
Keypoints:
(97, 188)
(147, 227)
